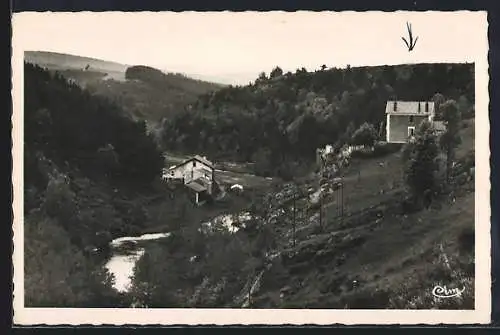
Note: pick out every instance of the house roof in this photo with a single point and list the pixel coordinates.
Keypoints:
(198, 158)
(409, 107)
(196, 187)
(203, 160)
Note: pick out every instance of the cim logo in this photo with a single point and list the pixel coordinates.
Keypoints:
(444, 292)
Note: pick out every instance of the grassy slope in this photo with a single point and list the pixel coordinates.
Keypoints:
(396, 259)
(139, 99)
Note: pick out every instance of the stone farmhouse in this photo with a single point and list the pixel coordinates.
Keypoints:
(404, 118)
(197, 174)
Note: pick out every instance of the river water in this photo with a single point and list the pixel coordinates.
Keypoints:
(122, 262)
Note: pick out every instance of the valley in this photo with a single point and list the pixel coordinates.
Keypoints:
(290, 238)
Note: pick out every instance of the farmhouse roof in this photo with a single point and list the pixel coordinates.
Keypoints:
(198, 158)
(196, 187)
(203, 160)
(409, 107)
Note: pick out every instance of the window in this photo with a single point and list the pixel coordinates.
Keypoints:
(411, 131)
(194, 163)
(411, 119)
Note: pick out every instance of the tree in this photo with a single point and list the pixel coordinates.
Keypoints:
(158, 275)
(421, 162)
(463, 106)
(262, 77)
(262, 160)
(60, 201)
(451, 138)
(438, 100)
(107, 159)
(57, 274)
(276, 72)
(366, 134)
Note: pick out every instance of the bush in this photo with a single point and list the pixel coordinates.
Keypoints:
(60, 201)
(469, 114)
(380, 149)
(362, 154)
(57, 274)
(383, 148)
(364, 135)
(466, 240)
(421, 163)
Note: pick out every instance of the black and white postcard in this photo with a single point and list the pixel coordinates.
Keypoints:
(251, 168)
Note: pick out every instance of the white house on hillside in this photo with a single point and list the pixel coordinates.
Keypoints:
(197, 174)
(404, 118)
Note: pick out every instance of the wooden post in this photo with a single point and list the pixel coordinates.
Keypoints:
(294, 203)
(342, 199)
(321, 213)
(338, 199)
(250, 293)
(197, 198)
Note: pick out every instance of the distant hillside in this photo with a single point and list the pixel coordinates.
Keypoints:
(150, 96)
(76, 66)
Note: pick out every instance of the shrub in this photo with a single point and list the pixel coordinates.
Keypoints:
(361, 154)
(60, 200)
(57, 274)
(466, 240)
(364, 135)
(421, 163)
(383, 148)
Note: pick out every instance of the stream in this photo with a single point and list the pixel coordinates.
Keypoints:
(121, 263)
(126, 251)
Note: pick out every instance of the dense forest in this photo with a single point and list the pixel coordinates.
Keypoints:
(82, 161)
(280, 119)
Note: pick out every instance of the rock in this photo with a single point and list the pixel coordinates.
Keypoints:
(286, 289)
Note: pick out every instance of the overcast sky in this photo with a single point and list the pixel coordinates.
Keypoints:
(234, 47)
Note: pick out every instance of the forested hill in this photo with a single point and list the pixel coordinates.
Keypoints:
(69, 125)
(142, 92)
(283, 117)
(83, 160)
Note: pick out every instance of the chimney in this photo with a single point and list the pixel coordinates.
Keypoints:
(395, 105)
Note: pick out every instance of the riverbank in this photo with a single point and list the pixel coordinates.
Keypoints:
(169, 211)
(126, 251)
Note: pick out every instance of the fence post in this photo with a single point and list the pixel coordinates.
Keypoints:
(321, 213)
(294, 203)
